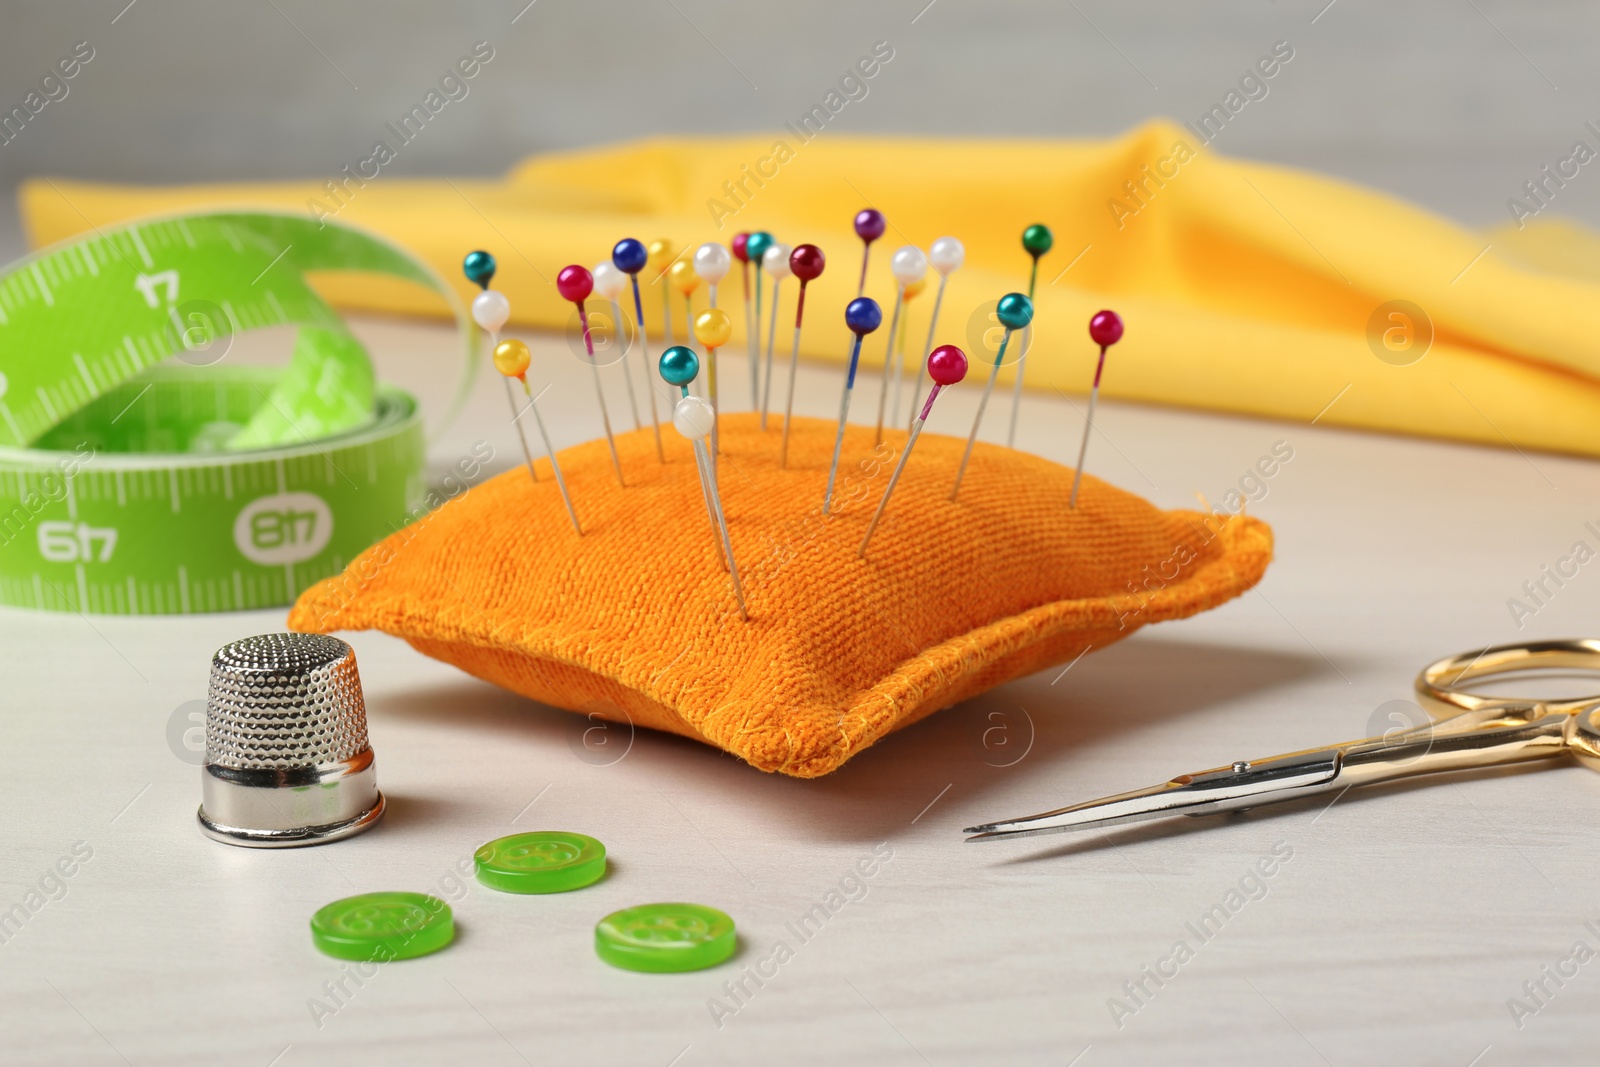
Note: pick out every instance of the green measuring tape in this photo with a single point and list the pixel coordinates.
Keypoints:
(141, 472)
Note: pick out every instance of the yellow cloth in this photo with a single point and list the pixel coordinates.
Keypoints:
(1245, 287)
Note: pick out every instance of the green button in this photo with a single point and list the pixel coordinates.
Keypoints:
(383, 926)
(665, 938)
(545, 861)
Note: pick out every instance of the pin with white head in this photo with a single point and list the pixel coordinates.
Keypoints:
(862, 316)
(1036, 241)
(805, 263)
(575, 283)
(1105, 329)
(491, 310)
(908, 265)
(609, 283)
(913, 291)
(712, 262)
(630, 257)
(1014, 311)
(776, 263)
(694, 419)
(947, 365)
(511, 358)
(945, 256)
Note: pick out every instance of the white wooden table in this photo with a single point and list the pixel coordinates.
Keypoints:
(1394, 927)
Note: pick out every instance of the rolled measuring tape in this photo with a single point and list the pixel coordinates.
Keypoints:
(143, 473)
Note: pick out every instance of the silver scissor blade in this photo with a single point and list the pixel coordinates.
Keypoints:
(1242, 785)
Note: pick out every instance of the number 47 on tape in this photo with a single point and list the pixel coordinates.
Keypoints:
(75, 542)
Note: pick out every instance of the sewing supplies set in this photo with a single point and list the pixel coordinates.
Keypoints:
(197, 488)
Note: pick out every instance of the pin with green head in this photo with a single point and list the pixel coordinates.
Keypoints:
(1036, 241)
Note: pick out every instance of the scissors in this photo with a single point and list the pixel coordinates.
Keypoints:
(1469, 730)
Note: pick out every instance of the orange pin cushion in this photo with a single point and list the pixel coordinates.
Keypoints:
(636, 621)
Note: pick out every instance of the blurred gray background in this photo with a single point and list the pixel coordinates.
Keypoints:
(1453, 104)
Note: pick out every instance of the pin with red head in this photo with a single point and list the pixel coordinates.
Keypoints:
(947, 365)
(806, 263)
(575, 283)
(1105, 330)
(741, 251)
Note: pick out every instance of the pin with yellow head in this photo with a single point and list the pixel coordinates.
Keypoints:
(659, 256)
(713, 328)
(512, 359)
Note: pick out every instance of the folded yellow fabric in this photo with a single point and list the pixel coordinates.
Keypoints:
(1246, 287)
(635, 621)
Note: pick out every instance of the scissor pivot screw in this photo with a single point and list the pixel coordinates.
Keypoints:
(1241, 766)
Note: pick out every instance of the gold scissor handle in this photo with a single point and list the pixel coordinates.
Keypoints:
(1440, 687)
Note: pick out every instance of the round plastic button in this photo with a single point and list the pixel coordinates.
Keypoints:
(665, 938)
(545, 861)
(383, 926)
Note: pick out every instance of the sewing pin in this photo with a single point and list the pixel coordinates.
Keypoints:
(908, 265)
(629, 256)
(913, 291)
(679, 366)
(946, 256)
(511, 358)
(741, 252)
(776, 262)
(1105, 330)
(712, 328)
(1036, 241)
(575, 283)
(490, 310)
(694, 419)
(608, 282)
(756, 248)
(947, 365)
(712, 262)
(806, 263)
(870, 224)
(862, 316)
(1014, 312)
(661, 258)
(681, 276)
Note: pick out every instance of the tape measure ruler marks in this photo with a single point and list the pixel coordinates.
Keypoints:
(132, 487)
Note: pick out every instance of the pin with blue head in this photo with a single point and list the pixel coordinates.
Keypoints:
(491, 310)
(870, 225)
(694, 419)
(575, 283)
(1036, 241)
(861, 317)
(1105, 330)
(756, 246)
(947, 365)
(1014, 311)
(630, 257)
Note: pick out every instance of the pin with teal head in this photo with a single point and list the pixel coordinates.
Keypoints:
(1014, 311)
(861, 316)
(755, 247)
(479, 268)
(1036, 241)
(694, 419)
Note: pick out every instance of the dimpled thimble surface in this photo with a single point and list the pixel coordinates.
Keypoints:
(287, 759)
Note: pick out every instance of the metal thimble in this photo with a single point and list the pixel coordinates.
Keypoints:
(287, 759)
